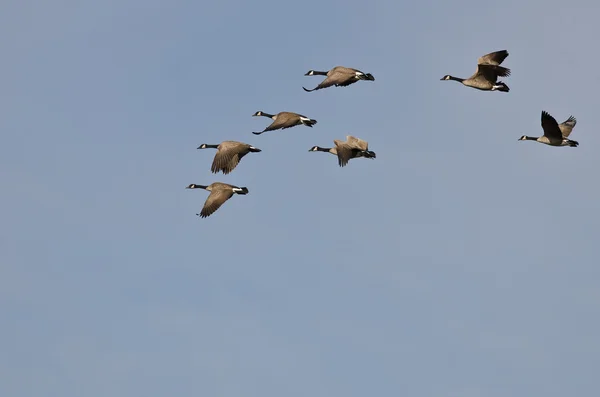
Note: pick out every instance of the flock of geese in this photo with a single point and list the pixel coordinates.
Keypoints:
(485, 78)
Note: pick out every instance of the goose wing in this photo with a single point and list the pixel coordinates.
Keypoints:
(567, 126)
(284, 120)
(339, 77)
(344, 152)
(550, 126)
(228, 156)
(357, 143)
(215, 200)
(493, 58)
(490, 72)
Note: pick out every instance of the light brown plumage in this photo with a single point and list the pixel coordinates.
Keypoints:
(219, 194)
(345, 151)
(229, 154)
(283, 120)
(566, 127)
(339, 76)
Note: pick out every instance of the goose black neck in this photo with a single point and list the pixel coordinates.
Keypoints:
(317, 73)
(197, 186)
(456, 79)
(530, 138)
(267, 115)
(323, 149)
(206, 146)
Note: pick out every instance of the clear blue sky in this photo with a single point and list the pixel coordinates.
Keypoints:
(459, 263)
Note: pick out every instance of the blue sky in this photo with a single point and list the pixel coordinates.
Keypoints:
(459, 263)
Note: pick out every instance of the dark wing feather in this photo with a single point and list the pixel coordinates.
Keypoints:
(491, 72)
(567, 126)
(344, 152)
(344, 155)
(215, 200)
(493, 58)
(550, 126)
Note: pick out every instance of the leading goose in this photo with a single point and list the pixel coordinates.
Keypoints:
(554, 134)
(229, 154)
(219, 193)
(486, 76)
(339, 76)
(283, 120)
(352, 148)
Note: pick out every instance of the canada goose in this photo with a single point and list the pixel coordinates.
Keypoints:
(219, 193)
(554, 134)
(283, 120)
(229, 154)
(485, 77)
(352, 148)
(339, 76)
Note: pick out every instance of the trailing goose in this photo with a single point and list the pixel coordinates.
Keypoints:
(283, 120)
(229, 154)
(219, 193)
(352, 148)
(554, 134)
(486, 76)
(339, 76)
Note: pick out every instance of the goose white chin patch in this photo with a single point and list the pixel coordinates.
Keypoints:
(304, 119)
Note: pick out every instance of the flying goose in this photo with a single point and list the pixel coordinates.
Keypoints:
(352, 148)
(486, 76)
(219, 193)
(229, 154)
(554, 134)
(339, 76)
(283, 120)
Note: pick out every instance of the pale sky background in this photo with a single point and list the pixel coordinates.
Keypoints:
(459, 263)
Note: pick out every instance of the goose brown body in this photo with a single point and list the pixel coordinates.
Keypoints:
(554, 134)
(219, 193)
(339, 76)
(229, 154)
(486, 75)
(283, 120)
(346, 150)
